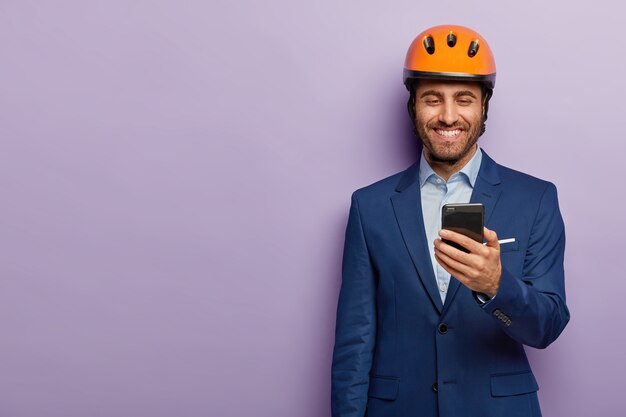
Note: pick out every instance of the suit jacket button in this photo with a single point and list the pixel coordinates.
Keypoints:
(435, 387)
(443, 328)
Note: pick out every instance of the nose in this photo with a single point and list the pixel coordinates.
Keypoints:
(449, 114)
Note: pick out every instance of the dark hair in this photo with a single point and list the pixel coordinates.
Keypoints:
(411, 85)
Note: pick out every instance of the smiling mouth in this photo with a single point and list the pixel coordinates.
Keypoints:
(448, 133)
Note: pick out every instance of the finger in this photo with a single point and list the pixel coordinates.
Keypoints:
(452, 266)
(451, 251)
(492, 238)
(472, 262)
(468, 243)
(449, 269)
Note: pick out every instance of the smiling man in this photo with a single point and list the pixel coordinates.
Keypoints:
(424, 329)
(448, 116)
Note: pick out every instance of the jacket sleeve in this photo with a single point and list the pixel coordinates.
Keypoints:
(356, 323)
(531, 309)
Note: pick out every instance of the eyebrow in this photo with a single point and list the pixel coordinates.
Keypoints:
(439, 95)
(465, 93)
(431, 93)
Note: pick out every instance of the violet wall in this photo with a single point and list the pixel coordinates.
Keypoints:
(176, 176)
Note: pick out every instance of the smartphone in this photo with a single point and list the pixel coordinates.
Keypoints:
(467, 219)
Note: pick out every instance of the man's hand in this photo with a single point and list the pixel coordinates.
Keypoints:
(479, 270)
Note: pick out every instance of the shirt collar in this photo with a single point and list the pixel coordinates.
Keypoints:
(470, 170)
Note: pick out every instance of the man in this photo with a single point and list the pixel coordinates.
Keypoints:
(425, 329)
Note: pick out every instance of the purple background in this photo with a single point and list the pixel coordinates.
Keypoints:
(176, 177)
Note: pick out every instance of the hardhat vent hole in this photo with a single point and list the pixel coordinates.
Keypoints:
(473, 49)
(451, 39)
(429, 44)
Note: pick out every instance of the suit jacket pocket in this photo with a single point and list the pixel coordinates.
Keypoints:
(513, 384)
(384, 387)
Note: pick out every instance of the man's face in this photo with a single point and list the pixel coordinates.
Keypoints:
(448, 118)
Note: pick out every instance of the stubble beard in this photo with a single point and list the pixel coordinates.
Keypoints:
(448, 155)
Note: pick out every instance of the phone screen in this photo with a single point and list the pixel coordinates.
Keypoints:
(467, 219)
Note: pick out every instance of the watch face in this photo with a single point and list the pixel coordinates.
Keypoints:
(481, 297)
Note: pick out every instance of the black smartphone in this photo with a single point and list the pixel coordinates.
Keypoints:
(467, 219)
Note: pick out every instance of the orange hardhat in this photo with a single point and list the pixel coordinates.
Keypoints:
(452, 53)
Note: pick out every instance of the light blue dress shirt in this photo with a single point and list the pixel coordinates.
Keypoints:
(435, 193)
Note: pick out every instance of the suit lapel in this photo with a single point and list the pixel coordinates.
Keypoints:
(487, 188)
(486, 191)
(407, 205)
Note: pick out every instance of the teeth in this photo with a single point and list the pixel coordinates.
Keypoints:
(448, 133)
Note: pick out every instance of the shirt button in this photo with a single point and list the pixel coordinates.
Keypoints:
(438, 180)
(443, 287)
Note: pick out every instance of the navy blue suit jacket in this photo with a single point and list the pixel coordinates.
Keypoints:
(399, 351)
